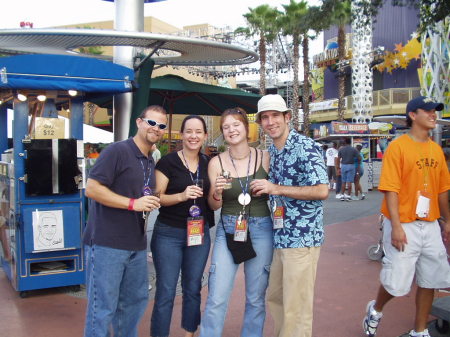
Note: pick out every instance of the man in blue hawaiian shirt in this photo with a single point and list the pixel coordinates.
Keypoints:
(298, 182)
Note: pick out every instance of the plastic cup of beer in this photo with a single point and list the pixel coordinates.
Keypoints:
(199, 183)
(227, 176)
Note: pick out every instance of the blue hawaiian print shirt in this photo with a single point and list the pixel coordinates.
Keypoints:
(299, 163)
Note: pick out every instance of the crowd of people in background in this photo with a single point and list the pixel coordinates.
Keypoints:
(271, 222)
(345, 168)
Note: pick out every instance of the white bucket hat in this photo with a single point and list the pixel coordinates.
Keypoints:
(271, 103)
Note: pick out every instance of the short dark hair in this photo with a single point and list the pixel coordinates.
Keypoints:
(409, 121)
(347, 141)
(156, 108)
(183, 123)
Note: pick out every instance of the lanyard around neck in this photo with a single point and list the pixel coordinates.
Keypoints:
(187, 166)
(426, 165)
(148, 171)
(243, 187)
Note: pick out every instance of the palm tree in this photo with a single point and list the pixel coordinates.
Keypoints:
(339, 13)
(262, 21)
(300, 21)
(293, 23)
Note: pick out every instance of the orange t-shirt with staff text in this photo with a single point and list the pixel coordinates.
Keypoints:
(406, 166)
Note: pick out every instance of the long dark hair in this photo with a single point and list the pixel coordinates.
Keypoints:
(183, 123)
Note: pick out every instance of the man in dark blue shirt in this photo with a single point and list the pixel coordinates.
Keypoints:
(119, 187)
(347, 156)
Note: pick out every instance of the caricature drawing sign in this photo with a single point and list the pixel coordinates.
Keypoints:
(48, 230)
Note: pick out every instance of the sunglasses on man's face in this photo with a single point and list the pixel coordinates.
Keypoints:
(151, 122)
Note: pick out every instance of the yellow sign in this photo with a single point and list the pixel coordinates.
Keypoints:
(49, 128)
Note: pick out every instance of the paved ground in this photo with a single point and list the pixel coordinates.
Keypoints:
(346, 280)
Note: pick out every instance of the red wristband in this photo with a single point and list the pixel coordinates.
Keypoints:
(214, 197)
(131, 204)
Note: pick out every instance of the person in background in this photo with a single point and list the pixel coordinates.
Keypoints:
(415, 182)
(115, 240)
(359, 172)
(324, 152)
(181, 241)
(156, 154)
(244, 163)
(347, 156)
(298, 182)
(338, 172)
(330, 156)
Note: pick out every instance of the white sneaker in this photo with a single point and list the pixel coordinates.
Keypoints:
(424, 333)
(354, 198)
(347, 197)
(363, 196)
(371, 320)
(338, 196)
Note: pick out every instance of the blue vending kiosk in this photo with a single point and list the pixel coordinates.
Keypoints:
(42, 213)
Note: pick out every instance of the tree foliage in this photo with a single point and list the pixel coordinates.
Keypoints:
(262, 22)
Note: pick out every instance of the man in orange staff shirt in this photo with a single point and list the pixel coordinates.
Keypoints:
(415, 181)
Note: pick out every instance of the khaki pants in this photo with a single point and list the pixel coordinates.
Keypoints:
(290, 295)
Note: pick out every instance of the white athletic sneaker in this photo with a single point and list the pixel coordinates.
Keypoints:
(354, 198)
(338, 196)
(363, 196)
(371, 320)
(424, 333)
(347, 197)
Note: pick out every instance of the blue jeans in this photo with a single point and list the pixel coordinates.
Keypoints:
(170, 256)
(222, 274)
(117, 291)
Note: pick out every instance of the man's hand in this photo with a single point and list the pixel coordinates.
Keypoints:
(146, 203)
(398, 238)
(446, 231)
(262, 186)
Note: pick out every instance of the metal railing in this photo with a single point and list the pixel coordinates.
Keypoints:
(382, 100)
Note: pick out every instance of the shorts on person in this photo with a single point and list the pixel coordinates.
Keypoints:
(424, 256)
(348, 173)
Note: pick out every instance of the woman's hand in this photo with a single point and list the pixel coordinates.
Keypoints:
(219, 185)
(192, 192)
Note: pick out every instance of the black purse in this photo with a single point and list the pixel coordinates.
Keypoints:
(241, 251)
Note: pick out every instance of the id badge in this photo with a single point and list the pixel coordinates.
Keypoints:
(240, 229)
(423, 204)
(278, 215)
(195, 231)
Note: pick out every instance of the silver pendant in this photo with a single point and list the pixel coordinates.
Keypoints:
(244, 199)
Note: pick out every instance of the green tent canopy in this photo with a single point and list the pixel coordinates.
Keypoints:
(180, 96)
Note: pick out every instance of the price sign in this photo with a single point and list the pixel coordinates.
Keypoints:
(49, 128)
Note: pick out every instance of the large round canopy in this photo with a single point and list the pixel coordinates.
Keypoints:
(164, 49)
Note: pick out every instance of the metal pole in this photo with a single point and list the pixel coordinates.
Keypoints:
(129, 16)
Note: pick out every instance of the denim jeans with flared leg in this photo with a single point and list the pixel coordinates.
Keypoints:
(222, 274)
(171, 255)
